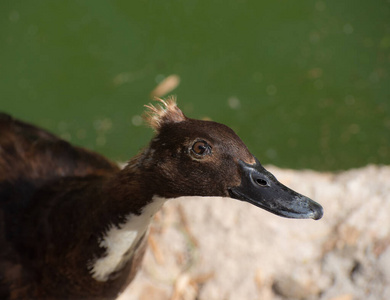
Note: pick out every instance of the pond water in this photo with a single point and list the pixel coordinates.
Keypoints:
(305, 84)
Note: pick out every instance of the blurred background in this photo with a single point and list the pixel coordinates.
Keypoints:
(305, 84)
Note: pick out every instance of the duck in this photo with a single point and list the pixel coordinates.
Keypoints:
(73, 225)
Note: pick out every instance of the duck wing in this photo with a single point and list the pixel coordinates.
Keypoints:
(30, 158)
(27, 151)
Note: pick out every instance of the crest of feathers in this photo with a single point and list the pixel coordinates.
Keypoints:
(166, 112)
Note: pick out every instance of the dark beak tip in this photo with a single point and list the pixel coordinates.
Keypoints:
(318, 212)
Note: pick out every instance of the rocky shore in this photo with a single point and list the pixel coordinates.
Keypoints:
(222, 249)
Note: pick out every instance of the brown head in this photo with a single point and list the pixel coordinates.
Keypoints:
(189, 157)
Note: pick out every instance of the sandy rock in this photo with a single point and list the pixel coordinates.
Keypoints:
(218, 248)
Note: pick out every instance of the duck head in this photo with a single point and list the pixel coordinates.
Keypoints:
(189, 157)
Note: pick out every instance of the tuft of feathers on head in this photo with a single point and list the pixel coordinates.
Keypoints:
(166, 112)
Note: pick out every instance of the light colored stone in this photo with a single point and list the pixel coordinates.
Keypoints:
(345, 254)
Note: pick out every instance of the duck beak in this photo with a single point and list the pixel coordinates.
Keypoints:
(259, 187)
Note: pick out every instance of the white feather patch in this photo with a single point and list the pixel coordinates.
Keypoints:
(118, 240)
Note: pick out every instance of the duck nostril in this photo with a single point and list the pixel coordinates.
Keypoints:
(261, 182)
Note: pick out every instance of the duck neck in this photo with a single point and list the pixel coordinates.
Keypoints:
(131, 208)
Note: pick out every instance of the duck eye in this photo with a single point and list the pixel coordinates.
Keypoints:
(201, 148)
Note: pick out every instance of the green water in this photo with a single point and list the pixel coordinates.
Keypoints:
(306, 84)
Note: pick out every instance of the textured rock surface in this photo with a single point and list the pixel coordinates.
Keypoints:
(214, 248)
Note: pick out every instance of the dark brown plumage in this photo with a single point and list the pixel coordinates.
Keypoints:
(60, 205)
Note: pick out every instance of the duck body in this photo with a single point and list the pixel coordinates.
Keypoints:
(49, 192)
(73, 224)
